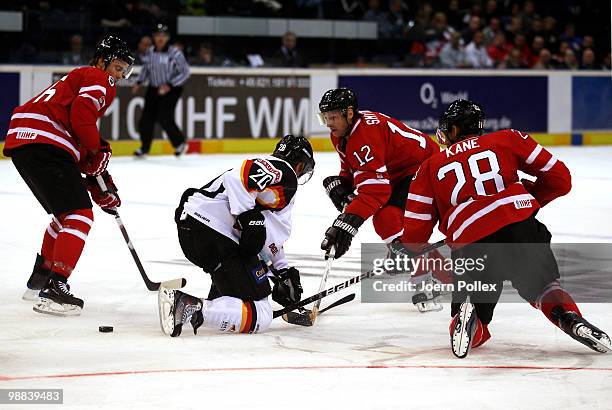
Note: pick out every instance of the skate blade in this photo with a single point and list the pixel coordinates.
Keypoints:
(30, 295)
(49, 307)
(461, 339)
(429, 306)
(602, 345)
(165, 302)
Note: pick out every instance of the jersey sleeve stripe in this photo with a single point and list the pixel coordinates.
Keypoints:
(552, 161)
(95, 101)
(373, 182)
(92, 88)
(414, 215)
(489, 208)
(382, 169)
(534, 154)
(49, 135)
(40, 117)
(357, 173)
(420, 198)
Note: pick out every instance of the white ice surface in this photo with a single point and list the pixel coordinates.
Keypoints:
(379, 356)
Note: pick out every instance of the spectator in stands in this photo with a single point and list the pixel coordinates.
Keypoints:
(499, 49)
(588, 60)
(453, 14)
(492, 30)
(490, 11)
(559, 57)
(381, 18)
(528, 15)
(476, 53)
(536, 29)
(513, 60)
(143, 47)
(472, 28)
(536, 46)
(607, 62)
(397, 20)
(570, 62)
(514, 28)
(113, 14)
(452, 54)
(288, 54)
(205, 57)
(569, 36)
(544, 61)
(551, 37)
(520, 43)
(75, 57)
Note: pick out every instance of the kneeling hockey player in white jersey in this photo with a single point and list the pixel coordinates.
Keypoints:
(224, 227)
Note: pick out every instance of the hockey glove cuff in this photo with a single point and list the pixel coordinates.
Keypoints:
(108, 200)
(341, 233)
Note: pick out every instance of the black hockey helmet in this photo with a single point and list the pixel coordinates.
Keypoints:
(468, 116)
(296, 150)
(111, 48)
(161, 28)
(337, 99)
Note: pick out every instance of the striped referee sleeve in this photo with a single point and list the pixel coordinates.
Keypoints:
(143, 77)
(180, 73)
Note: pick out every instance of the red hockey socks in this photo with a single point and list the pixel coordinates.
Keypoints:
(388, 222)
(48, 244)
(554, 295)
(69, 240)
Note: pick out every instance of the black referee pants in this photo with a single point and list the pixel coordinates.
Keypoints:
(160, 108)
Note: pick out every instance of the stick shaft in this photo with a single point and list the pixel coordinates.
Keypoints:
(343, 285)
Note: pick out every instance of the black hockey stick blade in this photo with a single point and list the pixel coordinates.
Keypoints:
(306, 317)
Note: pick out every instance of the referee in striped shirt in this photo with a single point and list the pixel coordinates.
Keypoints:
(165, 69)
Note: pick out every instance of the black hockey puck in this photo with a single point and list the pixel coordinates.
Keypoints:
(105, 329)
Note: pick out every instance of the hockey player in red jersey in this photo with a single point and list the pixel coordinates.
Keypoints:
(378, 157)
(52, 140)
(473, 191)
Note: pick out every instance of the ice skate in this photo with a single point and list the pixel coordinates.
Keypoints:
(584, 332)
(177, 308)
(37, 280)
(55, 299)
(463, 330)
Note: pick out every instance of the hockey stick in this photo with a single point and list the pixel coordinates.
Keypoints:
(346, 284)
(307, 317)
(152, 286)
(302, 316)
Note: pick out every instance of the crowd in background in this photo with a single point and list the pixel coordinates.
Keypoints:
(505, 34)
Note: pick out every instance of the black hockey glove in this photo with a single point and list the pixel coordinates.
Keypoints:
(253, 237)
(341, 233)
(287, 288)
(339, 190)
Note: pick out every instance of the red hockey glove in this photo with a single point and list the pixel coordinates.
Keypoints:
(108, 200)
(95, 164)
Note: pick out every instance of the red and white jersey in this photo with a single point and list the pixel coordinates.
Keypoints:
(472, 187)
(64, 114)
(380, 151)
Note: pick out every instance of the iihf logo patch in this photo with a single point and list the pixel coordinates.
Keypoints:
(111, 80)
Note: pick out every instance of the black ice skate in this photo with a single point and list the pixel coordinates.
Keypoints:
(55, 298)
(464, 329)
(581, 330)
(177, 308)
(37, 280)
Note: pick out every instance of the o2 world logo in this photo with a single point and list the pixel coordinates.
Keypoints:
(427, 93)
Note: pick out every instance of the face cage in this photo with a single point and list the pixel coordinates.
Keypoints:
(305, 177)
(441, 137)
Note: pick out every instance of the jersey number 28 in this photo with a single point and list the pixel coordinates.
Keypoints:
(479, 177)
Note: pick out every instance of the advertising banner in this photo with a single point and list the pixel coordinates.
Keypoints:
(509, 102)
(220, 106)
(592, 102)
(9, 84)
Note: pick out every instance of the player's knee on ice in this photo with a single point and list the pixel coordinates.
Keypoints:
(229, 314)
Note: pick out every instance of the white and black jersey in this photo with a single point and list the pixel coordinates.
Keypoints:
(268, 184)
(167, 66)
